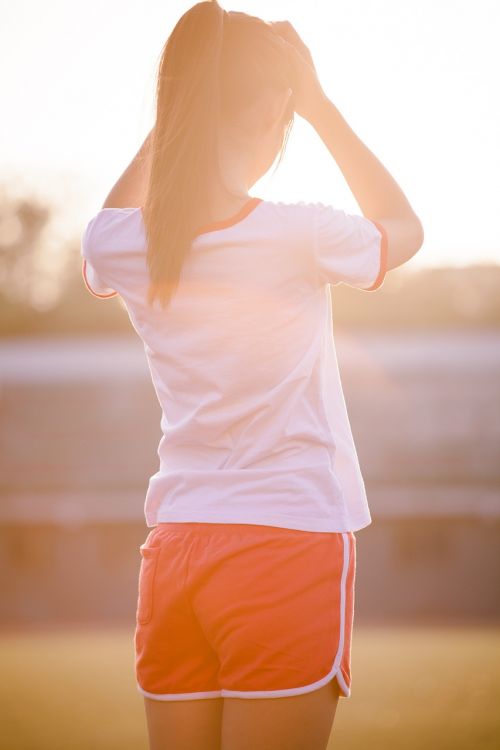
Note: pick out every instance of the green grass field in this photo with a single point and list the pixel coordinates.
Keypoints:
(433, 688)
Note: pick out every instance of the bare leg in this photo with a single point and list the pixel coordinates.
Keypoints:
(298, 722)
(184, 725)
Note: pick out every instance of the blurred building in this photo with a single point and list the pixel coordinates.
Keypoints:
(79, 432)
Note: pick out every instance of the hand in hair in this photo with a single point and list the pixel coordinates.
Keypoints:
(307, 90)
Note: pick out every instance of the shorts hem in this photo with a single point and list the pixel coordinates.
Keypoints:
(345, 691)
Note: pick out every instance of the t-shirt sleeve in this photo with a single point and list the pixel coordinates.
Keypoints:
(349, 248)
(93, 280)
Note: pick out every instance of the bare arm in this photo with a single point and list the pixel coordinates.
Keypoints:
(130, 189)
(376, 191)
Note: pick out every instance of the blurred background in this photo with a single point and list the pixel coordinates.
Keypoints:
(419, 360)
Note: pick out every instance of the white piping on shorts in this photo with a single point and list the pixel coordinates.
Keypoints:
(335, 671)
(180, 696)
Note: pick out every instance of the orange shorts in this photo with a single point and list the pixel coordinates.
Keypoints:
(243, 611)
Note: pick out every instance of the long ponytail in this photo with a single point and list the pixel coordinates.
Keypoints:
(194, 88)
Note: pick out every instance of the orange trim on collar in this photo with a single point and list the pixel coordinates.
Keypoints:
(247, 208)
(96, 294)
(384, 243)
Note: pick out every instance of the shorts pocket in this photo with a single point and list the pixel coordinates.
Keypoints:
(147, 572)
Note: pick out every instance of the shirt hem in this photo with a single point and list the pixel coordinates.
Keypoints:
(282, 521)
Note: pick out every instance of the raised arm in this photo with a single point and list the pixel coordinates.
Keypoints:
(376, 191)
(129, 191)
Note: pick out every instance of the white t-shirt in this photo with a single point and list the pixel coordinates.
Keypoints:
(243, 362)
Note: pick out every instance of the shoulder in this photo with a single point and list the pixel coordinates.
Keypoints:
(113, 229)
(301, 210)
(296, 218)
(309, 216)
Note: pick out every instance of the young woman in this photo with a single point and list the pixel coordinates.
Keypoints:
(246, 584)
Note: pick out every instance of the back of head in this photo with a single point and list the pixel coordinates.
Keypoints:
(213, 68)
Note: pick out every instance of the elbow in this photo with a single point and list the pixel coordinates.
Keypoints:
(419, 234)
(414, 237)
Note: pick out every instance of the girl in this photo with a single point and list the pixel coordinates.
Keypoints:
(246, 584)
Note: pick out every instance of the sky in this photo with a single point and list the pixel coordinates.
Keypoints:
(417, 80)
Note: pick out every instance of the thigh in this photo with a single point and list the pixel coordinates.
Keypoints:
(184, 725)
(298, 722)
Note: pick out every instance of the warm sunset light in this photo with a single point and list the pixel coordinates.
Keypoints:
(416, 79)
(250, 375)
